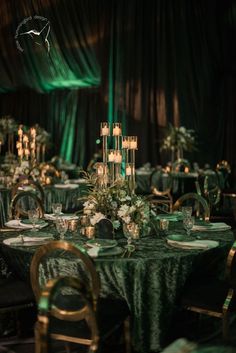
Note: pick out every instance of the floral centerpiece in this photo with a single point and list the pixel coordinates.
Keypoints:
(117, 204)
(179, 139)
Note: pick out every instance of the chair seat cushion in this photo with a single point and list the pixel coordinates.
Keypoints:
(14, 292)
(206, 294)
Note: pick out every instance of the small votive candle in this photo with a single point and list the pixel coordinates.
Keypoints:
(104, 131)
(89, 232)
(100, 170)
(164, 224)
(186, 169)
(116, 129)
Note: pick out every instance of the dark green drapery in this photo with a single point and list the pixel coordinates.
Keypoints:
(144, 63)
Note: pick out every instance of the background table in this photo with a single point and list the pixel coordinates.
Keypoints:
(68, 197)
(150, 281)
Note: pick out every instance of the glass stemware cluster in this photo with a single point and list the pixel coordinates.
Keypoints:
(188, 220)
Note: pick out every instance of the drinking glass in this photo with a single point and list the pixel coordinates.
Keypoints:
(186, 211)
(61, 226)
(33, 216)
(188, 224)
(56, 209)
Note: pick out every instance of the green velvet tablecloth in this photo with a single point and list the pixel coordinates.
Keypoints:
(150, 281)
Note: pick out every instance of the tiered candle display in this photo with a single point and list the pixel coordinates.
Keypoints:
(123, 151)
(26, 145)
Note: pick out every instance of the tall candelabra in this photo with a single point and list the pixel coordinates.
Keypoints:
(26, 145)
(122, 152)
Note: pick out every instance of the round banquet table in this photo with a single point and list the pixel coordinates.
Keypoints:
(150, 280)
(67, 196)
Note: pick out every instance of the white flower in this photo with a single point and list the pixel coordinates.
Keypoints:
(97, 217)
(126, 219)
(123, 211)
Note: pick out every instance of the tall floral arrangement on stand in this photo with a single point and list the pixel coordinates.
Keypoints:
(177, 140)
(118, 205)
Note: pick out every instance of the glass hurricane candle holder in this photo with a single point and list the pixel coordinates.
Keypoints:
(133, 142)
(116, 129)
(105, 129)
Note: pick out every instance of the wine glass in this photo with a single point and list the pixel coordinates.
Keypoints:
(188, 224)
(186, 211)
(56, 209)
(62, 227)
(33, 216)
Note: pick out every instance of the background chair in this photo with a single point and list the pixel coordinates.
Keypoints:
(111, 313)
(212, 296)
(161, 196)
(200, 206)
(84, 315)
(15, 296)
(22, 202)
(28, 183)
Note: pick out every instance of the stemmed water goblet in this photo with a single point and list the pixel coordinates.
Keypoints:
(33, 216)
(62, 227)
(186, 211)
(188, 224)
(56, 209)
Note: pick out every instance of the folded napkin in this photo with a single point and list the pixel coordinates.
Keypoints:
(27, 241)
(53, 217)
(66, 186)
(195, 244)
(212, 227)
(26, 188)
(93, 251)
(16, 223)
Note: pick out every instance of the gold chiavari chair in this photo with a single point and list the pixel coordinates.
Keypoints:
(22, 202)
(111, 313)
(200, 205)
(161, 197)
(35, 185)
(48, 309)
(212, 296)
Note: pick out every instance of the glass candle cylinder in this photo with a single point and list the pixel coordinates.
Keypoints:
(116, 131)
(133, 142)
(104, 129)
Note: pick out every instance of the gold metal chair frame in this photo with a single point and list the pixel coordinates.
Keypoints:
(224, 314)
(50, 247)
(165, 197)
(46, 310)
(28, 182)
(16, 211)
(94, 291)
(198, 199)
